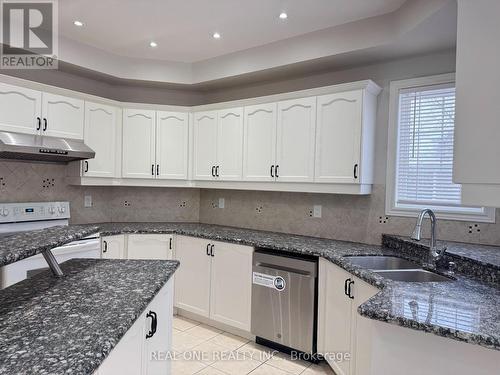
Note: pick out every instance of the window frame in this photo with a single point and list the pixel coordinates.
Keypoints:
(391, 208)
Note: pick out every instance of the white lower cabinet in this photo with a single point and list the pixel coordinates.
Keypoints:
(143, 349)
(214, 280)
(113, 247)
(149, 246)
(192, 279)
(343, 335)
(231, 287)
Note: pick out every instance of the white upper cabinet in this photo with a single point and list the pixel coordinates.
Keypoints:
(172, 130)
(295, 140)
(100, 135)
(62, 116)
(259, 142)
(20, 109)
(205, 145)
(230, 144)
(138, 143)
(338, 137)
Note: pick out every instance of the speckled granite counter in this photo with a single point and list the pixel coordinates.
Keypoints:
(69, 325)
(466, 309)
(23, 245)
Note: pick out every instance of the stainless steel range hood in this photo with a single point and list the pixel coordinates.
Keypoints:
(42, 148)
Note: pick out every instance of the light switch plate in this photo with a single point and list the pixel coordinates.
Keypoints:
(221, 202)
(87, 201)
(317, 210)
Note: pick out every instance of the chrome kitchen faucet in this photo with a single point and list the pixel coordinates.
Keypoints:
(434, 253)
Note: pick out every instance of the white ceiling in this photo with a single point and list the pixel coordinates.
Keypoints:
(183, 28)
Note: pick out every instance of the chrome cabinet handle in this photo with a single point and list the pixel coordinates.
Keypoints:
(272, 170)
(38, 123)
(105, 246)
(211, 250)
(44, 124)
(355, 171)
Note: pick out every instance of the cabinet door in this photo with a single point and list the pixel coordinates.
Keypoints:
(158, 343)
(338, 137)
(172, 129)
(100, 135)
(205, 145)
(149, 246)
(138, 143)
(295, 140)
(20, 109)
(113, 247)
(231, 288)
(259, 142)
(362, 337)
(126, 358)
(334, 315)
(192, 279)
(230, 144)
(64, 116)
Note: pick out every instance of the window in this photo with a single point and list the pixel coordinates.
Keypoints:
(420, 152)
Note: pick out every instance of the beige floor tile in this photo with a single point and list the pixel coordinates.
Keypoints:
(183, 324)
(203, 331)
(321, 369)
(268, 370)
(285, 363)
(182, 366)
(240, 366)
(210, 371)
(209, 352)
(257, 352)
(184, 341)
(229, 341)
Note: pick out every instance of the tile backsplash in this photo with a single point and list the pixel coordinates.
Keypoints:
(343, 217)
(36, 182)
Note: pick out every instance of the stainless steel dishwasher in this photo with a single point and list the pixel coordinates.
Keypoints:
(284, 300)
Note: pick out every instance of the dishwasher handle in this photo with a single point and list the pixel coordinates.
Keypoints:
(283, 269)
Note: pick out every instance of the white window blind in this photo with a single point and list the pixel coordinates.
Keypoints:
(425, 147)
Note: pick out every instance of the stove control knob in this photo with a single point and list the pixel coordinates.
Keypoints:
(52, 210)
(62, 209)
(5, 212)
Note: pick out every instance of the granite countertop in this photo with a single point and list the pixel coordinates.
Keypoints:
(466, 309)
(68, 325)
(25, 244)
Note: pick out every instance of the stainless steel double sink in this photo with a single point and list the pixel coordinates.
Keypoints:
(397, 269)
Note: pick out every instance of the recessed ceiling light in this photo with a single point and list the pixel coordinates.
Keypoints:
(153, 44)
(78, 23)
(283, 16)
(216, 35)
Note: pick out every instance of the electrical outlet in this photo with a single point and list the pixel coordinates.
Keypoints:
(127, 204)
(214, 204)
(222, 202)
(317, 208)
(383, 219)
(2, 183)
(259, 209)
(182, 204)
(87, 201)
